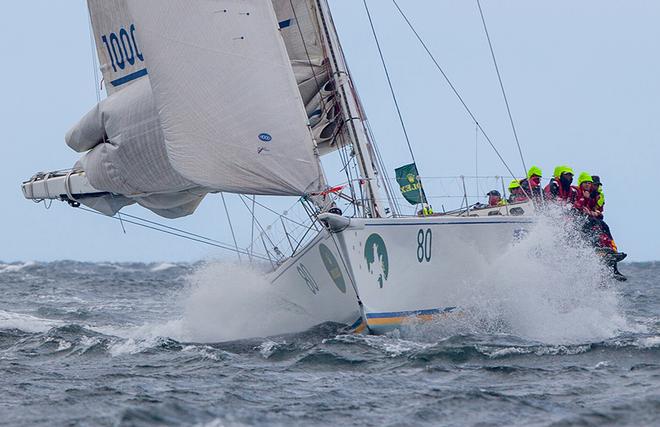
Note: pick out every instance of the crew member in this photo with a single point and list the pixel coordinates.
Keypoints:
(495, 199)
(597, 193)
(532, 184)
(598, 198)
(560, 189)
(585, 203)
(517, 194)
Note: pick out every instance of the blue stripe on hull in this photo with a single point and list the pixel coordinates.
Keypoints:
(396, 314)
(380, 323)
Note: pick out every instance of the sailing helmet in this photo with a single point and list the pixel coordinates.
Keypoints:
(534, 170)
(559, 170)
(514, 184)
(584, 177)
(566, 169)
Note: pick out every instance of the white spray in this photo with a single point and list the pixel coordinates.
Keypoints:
(226, 301)
(548, 287)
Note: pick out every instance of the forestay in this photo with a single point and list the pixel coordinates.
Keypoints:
(227, 99)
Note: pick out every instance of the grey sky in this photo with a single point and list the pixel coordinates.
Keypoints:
(583, 80)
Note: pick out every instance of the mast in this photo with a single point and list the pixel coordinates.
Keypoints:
(353, 117)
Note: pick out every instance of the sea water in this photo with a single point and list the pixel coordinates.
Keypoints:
(544, 338)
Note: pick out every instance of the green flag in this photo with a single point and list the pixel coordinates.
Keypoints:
(411, 187)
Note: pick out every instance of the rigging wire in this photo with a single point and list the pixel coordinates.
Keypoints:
(175, 231)
(476, 157)
(453, 88)
(389, 81)
(499, 77)
(254, 200)
(95, 67)
(231, 226)
(387, 182)
(263, 232)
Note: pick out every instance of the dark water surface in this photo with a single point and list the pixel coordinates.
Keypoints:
(90, 344)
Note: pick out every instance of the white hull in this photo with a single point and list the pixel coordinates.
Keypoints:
(305, 282)
(394, 269)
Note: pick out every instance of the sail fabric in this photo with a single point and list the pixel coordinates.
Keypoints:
(298, 25)
(300, 29)
(116, 39)
(126, 155)
(228, 102)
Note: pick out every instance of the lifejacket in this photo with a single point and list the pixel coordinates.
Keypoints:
(599, 199)
(555, 191)
(518, 197)
(531, 189)
(502, 202)
(585, 204)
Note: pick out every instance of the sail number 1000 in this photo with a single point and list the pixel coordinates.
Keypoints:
(122, 48)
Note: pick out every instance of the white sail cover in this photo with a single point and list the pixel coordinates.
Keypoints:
(122, 61)
(227, 99)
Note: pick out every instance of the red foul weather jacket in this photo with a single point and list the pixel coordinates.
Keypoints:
(554, 191)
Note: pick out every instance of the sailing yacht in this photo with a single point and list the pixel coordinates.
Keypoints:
(249, 97)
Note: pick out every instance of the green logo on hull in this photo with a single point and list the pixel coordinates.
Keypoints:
(375, 252)
(332, 266)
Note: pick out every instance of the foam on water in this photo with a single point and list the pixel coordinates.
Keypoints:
(13, 268)
(26, 322)
(223, 301)
(163, 266)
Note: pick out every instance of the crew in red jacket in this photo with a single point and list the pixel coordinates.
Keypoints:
(560, 189)
(531, 186)
(584, 202)
(587, 204)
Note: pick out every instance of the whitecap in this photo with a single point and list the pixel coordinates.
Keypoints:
(26, 322)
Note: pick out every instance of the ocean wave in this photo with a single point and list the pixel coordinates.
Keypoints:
(26, 322)
(163, 267)
(16, 267)
(323, 357)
